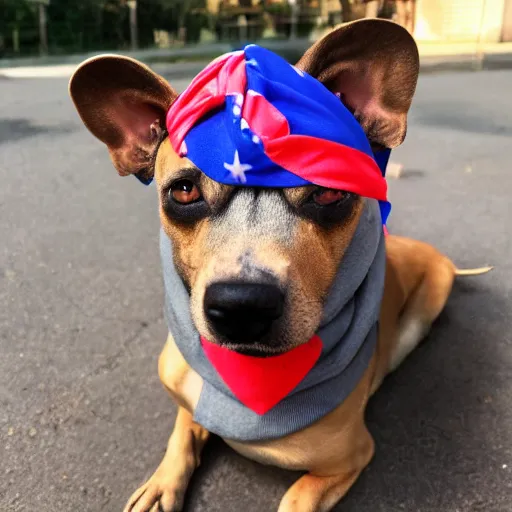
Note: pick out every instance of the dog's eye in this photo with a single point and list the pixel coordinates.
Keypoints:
(327, 196)
(183, 202)
(184, 192)
(327, 206)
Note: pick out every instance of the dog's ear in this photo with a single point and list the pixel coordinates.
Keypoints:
(124, 104)
(373, 66)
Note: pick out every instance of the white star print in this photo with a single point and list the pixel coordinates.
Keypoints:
(238, 169)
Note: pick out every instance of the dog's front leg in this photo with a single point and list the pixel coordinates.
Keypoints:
(322, 488)
(165, 490)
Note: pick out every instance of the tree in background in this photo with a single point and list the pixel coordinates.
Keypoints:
(93, 25)
(18, 26)
(346, 9)
(184, 24)
(87, 25)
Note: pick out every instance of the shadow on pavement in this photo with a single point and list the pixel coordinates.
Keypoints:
(16, 129)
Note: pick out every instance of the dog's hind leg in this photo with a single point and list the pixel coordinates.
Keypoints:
(165, 490)
(422, 307)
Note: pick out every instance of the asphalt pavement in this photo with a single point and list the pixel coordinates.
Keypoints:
(83, 418)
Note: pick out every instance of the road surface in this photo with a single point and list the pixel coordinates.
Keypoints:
(83, 418)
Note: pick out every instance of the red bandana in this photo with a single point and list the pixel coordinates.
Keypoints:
(260, 383)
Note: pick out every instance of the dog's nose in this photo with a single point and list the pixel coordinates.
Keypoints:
(242, 312)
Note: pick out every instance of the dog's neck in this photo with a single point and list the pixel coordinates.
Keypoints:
(348, 332)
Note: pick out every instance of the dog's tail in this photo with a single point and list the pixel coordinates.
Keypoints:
(472, 271)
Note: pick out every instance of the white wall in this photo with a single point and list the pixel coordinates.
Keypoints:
(459, 20)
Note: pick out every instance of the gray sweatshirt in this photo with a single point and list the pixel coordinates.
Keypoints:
(348, 331)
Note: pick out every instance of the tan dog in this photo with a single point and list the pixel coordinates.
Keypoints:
(373, 65)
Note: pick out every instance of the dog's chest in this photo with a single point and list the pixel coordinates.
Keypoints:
(185, 385)
(298, 451)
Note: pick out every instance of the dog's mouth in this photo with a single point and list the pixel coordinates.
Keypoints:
(260, 350)
(268, 345)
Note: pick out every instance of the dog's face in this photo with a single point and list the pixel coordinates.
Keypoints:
(258, 262)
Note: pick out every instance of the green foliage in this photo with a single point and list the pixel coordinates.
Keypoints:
(93, 25)
(283, 9)
(86, 25)
(104, 25)
(18, 18)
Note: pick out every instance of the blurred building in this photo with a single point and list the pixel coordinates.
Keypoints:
(323, 6)
(440, 21)
(463, 20)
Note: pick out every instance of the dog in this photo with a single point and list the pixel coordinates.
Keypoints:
(266, 250)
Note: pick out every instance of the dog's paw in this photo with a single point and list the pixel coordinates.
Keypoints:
(163, 492)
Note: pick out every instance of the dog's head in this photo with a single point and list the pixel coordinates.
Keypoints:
(258, 262)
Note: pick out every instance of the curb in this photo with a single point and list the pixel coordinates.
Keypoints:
(428, 63)
(498, 61)
(466, 62)
(194, 51)
(189, 60)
